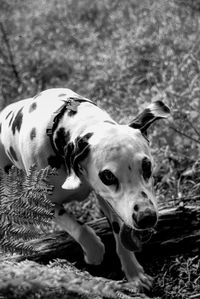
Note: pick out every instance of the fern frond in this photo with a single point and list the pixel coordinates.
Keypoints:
(16, 246)
(24, 232)
(39, 179)
(25, 209)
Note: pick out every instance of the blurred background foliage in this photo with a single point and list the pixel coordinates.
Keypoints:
(122, 55)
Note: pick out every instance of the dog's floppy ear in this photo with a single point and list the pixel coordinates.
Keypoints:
(75, 152)
(154, 111)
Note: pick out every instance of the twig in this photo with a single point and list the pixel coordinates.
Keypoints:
(193, 127)
(11, 57)
(184, 134)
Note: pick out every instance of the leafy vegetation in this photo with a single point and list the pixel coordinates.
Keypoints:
(25, 210)
(121, 54)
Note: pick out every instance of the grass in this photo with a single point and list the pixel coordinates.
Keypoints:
(121, 54)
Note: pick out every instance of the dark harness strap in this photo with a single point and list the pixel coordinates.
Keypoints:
(70, 104)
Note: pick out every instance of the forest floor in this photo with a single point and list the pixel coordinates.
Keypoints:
(122, 55)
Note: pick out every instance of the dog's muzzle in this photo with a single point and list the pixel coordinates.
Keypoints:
(145, 219)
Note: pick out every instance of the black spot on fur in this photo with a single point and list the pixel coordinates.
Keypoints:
(32, 107)
(82, 150)
(145, 117)
(148, 116)
(67, 137)
(62, 95)
(129, 167)
(55, 161)
(69, 150)
(8, 114)
(61, 140)
(146, 169)
(33, 133)
(13, 153)
(127, 240)
(0, 128)
(10, 122)
(7, 168)
(61, 212)
(116, 227)
(163, 106)
(17, 122)
(144, 194)
(77, 151)
(72, 113)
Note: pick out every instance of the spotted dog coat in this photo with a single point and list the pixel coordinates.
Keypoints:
(91, 152)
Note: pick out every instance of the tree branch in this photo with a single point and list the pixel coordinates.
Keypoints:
(177, 232)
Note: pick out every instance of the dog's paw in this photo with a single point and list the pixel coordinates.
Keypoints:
(141, 281)
(95, 250)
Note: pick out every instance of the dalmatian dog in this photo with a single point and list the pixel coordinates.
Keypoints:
(91, 151)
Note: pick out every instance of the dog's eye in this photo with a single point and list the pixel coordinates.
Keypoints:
(108, 178)
(146, 169)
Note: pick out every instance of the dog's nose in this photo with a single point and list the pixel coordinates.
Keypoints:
(145, 219)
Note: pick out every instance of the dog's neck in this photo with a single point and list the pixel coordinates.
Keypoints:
(87, 116)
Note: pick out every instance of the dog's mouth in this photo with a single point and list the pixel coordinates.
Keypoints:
(133, 239)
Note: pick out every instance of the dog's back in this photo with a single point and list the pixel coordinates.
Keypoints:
(23, 139)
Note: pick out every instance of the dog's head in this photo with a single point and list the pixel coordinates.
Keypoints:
(117, 163)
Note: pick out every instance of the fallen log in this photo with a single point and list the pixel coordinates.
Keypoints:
(177, 232)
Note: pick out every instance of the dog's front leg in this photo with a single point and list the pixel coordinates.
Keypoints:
(133, 270)
(91, 244)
